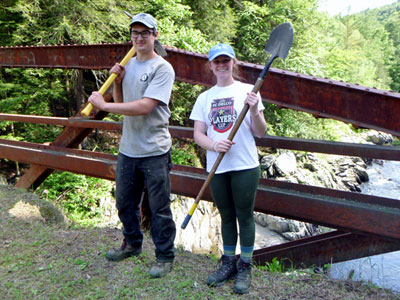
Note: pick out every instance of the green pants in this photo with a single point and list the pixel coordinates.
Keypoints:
(234, 194)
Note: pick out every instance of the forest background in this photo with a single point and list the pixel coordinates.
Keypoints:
(362, 48)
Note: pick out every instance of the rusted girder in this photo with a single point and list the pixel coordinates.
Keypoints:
(66, 122)
(336, 148)
(337, 209)
(355, 104)
(332, 247)
(328, 147)
(70, 137)
(328, 207)
(95, 57)
(89, 163)
(332, 208)
(352, 103)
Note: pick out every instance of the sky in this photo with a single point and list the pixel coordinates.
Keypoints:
(334, 7)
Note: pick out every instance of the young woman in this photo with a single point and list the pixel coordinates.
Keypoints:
(234, 184)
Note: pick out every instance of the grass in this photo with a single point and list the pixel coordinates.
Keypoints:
(44, 257)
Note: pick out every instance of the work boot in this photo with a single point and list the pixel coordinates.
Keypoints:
(160, 268)
(243, 278)
(125, 251)
(225, 271)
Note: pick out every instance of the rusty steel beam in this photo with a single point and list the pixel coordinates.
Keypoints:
(66, 122)
(362, 106)
(327, 207)
(95, 57)
(319, 146)
(327, 248)
(340, 213)
(317, 250)
(328, 147)
(181, 132)
(336, 148)
(95, 164)
(70, 137)
(351, 103)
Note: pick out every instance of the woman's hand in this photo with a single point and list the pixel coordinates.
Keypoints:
(252, 100)
(222, 146)
(258, 124)
(205, 142)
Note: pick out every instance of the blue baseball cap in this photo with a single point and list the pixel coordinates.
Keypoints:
(221, 49)
(145, 19)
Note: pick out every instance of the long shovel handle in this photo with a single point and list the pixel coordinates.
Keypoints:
(232, 134)
(87, 110)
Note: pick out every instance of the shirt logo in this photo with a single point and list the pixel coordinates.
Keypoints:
(222, 114)
(144, 78)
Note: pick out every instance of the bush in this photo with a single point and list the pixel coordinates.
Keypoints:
(78, 195)
(183, 153)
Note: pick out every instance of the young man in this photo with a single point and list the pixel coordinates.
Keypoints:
(141, 93)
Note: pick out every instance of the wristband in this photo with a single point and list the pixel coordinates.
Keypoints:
(214, 147)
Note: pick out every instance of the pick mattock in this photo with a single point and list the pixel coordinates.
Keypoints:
(278, 45)
(157, 47)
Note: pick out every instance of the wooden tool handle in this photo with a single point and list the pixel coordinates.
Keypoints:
(87, 110)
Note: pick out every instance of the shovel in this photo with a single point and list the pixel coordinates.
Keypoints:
(278, 45)
(157, 47)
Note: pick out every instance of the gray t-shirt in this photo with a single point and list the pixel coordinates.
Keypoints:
(144, 136)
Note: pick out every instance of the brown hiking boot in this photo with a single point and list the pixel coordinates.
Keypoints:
(160, 268)
(243, 278)
(226, 270)
(125, 251)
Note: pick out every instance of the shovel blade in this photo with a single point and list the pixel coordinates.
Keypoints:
(280, 40)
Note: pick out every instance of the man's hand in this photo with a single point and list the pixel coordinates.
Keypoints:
(97, 100)
(120, 71)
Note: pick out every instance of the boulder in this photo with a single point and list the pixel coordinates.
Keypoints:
(285, 164)
(379, 138)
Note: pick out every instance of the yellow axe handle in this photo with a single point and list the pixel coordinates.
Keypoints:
(86, 111)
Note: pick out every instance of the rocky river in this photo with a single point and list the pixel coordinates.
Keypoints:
(382, 270)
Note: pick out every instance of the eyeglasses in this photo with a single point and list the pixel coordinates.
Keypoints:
(221, 61)
(145, 33)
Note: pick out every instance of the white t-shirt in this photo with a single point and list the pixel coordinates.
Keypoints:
(144, 136)
(219, 107)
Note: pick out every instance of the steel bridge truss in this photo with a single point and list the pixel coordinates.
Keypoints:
(365, 225)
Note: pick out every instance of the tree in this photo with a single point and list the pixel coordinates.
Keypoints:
(214, 18)
(354, 49)
(390, 17)
(8, 21)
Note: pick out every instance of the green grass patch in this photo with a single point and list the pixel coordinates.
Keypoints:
(43, 260)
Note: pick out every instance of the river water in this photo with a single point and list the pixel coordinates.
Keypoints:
(382, 270)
